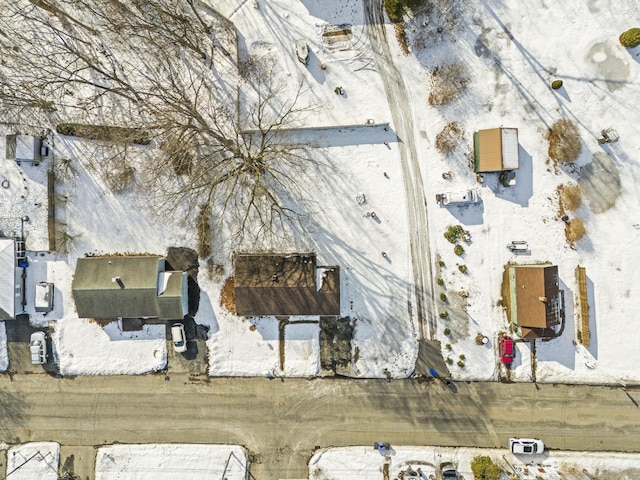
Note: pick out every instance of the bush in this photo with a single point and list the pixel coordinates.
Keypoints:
(462, 268)
(449, 361)
(460, 363)
(396, 8)
(448, 346)
(564, 141)
(556, 84)
(441, 263)
(462, 357)
(483, 468)
(447, 140)
(479, 338)
(570, 196)
(444, 315)
(447, 83)
(454, 233)
(574, 230)
(443, 297)
(440, 281)
(458, 250)
(630, 38)
(447, 331)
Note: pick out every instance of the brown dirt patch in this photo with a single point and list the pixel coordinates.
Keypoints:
(574, 230)
(227, 296)
(447, 83)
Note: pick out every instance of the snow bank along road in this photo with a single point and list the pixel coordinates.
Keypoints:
(281, 422)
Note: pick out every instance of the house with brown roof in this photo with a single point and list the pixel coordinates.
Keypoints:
(533, 300)
(285, 284)
(496, 149)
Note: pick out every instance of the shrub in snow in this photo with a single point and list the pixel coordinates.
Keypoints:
(447, 331)
(460, 363)
(574, 230)
(454, 233)
(447, 140)
(556, 84)
(570, 196)
(444, 315)
(443, 297)
(564, 141)
(441, 263)
(462, 357)
(449, 361)
(630, 38)
(440, 281)
(448, 346)
(458, 250)
(447, 83)
(483, 467)
(463, 269)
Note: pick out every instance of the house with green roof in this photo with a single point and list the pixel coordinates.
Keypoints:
(129, 287)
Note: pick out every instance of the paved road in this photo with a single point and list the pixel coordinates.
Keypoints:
(281, 422)
(401, 111)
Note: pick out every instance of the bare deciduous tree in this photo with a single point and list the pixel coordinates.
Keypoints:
(170, 68)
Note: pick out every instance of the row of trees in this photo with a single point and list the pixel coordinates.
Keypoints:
(169, 68)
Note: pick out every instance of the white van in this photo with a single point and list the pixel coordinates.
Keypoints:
(179, 338)
(458, 198)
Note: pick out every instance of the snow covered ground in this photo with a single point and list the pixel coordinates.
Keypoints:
(170, 461)
(33, 461)
(4, 353)
(511, 55)
(368, 464)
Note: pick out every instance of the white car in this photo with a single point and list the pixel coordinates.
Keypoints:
(526, 446)
(179, 338)
(38, 348)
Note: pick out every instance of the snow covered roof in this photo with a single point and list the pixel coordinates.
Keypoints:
(111, 287)
(7, 278)
(496, 149)
(23, 148)
(270, 284)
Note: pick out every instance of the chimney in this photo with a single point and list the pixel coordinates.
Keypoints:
(118, 280)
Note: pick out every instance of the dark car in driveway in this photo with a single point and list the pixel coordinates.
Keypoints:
(507, 351)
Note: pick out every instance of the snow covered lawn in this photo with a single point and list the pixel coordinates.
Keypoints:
(33, 461)
(170, 461)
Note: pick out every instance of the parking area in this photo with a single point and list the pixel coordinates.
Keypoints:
(18, 335)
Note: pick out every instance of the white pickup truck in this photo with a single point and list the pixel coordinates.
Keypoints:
(458, 198)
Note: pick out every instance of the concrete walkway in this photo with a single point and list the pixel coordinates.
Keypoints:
(281, 422)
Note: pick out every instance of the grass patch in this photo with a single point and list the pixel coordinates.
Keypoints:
(447, 83)
(564, 141)
(105, 133)
(203, 228)
(570, 196)
(448, 138)
(574, 230)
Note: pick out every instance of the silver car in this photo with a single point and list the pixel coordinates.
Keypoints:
(38, 348)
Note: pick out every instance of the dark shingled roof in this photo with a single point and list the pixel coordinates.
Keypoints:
(97, 295)
(270, 284)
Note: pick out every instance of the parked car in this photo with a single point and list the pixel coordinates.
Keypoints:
(38, 348)
(526, 446)
(179, 338)
(507, 352)
(449, 473)
(458, 198)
